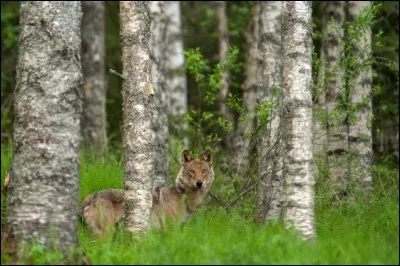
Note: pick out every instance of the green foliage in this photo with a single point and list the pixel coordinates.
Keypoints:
(263, 112)
(9, 41)
(36, 254)
(234, 102)
(351, 63)
(10, 29)
(385, 47)
(6, 118)
(238, 17)
(199, 68)
(209, 80)
(196, 64)
(215, 78)
(114, 83)
(365, 231)
(97, 174)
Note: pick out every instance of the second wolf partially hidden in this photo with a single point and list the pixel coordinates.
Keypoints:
(102, 210)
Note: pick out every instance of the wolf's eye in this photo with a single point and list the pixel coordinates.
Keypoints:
(192, 172)
(204, 171)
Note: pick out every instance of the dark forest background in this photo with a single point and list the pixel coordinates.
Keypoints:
(199, 30)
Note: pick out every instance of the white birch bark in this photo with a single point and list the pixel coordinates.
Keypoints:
(270, 189)
(160, 123)
(242, 145)
(337, 138)
(175, 60)
(176, 83)
(138, 112)
(360, 133)
(94, 89)
(297, 118)
(43, 193)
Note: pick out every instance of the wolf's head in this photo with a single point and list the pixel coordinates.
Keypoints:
(196, 173)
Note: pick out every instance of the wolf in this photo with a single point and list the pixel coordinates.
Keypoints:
(102, 210)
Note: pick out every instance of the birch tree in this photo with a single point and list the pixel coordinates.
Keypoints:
(297, 117)
(138, 111)
(241, 156)
(94, 89)
(43, 194)
(332, 78)
(175, 79)
(360, 132)
(270, 188)
(160, 122)
(223, 46)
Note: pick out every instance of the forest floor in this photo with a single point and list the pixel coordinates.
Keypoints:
(364, 230)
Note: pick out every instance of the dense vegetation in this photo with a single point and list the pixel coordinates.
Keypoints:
(361, 230)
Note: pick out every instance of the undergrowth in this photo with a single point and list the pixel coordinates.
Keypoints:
(362, 231)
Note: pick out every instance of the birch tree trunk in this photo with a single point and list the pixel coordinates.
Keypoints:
(160, 123)
(175, 82)
(242, 146)
(94, 89)
(297, 115)
(138, 112)
(43, 193)
(360, 133)
(270, 189)
(223, 44)
(337, 138)
(330, 79)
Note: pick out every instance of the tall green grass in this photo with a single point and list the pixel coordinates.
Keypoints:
(361, 231)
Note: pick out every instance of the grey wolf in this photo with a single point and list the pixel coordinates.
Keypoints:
(102, 210)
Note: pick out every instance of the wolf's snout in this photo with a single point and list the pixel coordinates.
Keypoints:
(199, 184)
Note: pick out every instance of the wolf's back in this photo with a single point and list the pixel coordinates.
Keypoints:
(115, 196)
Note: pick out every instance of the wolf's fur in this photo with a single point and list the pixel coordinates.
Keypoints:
(103, 210)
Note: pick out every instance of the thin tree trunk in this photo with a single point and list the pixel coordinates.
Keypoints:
(395, 129)
(320, 127)
(297, 117)
(360, 133)
(94, 89)
(337, 138)
(270, 189)
(176, 84)
(223, 44)
(157, 56)
(329, 80)
(138, 112)
(242, 146)
(396, 142)
(43, 193)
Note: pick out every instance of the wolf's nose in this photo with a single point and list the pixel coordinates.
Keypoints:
(199, 184)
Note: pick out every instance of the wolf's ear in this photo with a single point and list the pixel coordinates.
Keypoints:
(206, 156)
(186, 157)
